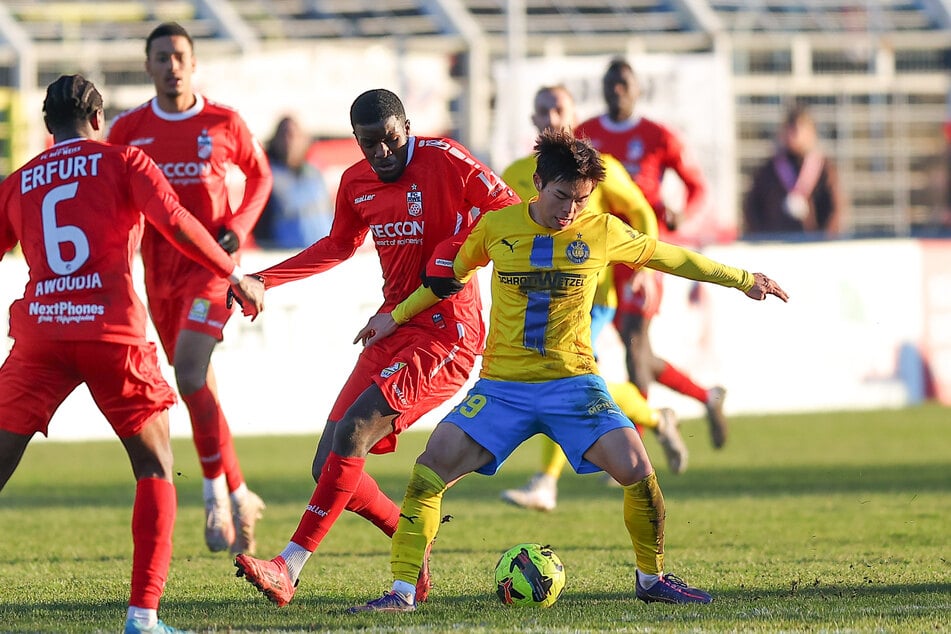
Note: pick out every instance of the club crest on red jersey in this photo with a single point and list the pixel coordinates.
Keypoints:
(414, 201)
(635, 150)
(204, 145)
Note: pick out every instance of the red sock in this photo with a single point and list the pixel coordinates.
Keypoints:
(338, 481)
(370, 503)
(229, 457)
(205, 414)
(680, 382)
(212, 437)
(153, 518)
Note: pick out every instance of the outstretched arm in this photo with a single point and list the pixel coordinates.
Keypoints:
(682, 262)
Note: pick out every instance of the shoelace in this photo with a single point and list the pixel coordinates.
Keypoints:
(674, 580)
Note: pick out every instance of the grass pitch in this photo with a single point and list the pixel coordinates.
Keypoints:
(835, 522)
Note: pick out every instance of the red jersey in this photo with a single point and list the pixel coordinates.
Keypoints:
(195, 150)
(77, 212)
(648, 149)
(441, 193)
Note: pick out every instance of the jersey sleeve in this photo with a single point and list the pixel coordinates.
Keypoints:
(682, 262)
(484, 189)
(444, 262)
(627, 246)
(152, 193)
(251, 159)
(347, 233)
(625, 199)
(679, 159)
(473, 252)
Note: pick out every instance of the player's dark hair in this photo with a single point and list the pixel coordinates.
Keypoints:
(619, 64)
(562, 157)
(69, 99)
(167, 29)
(796, 114)
(375, 106)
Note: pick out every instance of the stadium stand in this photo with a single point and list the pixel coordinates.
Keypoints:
(876, 73)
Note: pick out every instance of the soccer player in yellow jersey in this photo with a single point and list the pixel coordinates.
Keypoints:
(554, 109)
(538, 372)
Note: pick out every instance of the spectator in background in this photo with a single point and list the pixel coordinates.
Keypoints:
(797, 189)
(298, 212)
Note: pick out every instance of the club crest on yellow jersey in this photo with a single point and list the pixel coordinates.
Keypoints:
(578, 252)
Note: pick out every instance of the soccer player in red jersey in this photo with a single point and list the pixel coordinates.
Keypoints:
(77, 211)
(195, 141)
(409, 194)
(648, 149)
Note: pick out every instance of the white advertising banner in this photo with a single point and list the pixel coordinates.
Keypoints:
(851, 337)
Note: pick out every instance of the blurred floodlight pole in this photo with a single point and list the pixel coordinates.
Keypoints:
(516, 32)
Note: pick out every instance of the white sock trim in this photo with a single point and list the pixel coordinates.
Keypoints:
(295, 556)
(145, 617)
(405, 590)
(214, 489)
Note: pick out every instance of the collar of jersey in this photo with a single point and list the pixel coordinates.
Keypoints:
(178, 116)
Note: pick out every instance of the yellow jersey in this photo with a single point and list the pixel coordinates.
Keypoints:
(543, 286)
(617, 194)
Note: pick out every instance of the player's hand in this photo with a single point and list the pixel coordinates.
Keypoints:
(672, 218)
(763, 286)
(380, 326)
(228, 240)
(646, 284)
(249, 293)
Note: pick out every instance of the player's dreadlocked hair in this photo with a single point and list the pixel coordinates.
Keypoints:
(375, 106)
(562, 157)
(167, 29)
(69, 99)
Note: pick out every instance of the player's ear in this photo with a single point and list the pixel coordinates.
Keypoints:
(97, 120)
(537, 181)
(406, 127)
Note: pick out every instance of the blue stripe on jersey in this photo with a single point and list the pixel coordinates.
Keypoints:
(543, 248)
(536, 320)
(539, 302)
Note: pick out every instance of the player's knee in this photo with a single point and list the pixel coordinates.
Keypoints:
(357, 432)
(189, 379)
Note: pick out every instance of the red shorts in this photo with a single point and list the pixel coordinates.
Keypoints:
(415, 370)
(201, 313)
(124, 380)
(630, 302)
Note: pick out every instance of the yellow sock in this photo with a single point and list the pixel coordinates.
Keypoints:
(644, 515)
(633, 404)
(553, 458)
(419, 521)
